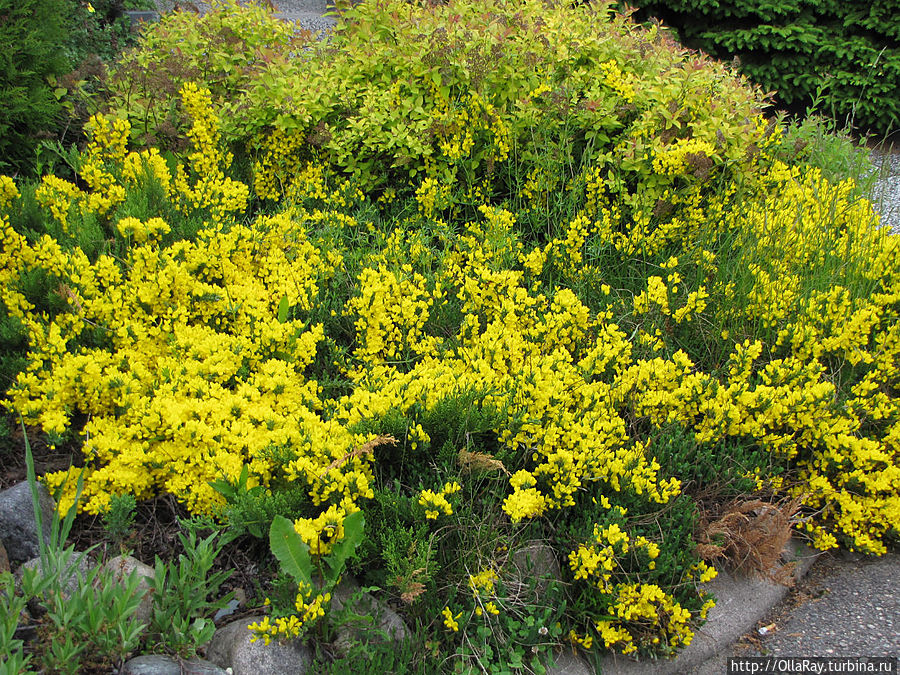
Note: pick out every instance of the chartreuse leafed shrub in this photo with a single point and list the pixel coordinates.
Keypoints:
(550, 304)
(225, 49)
(469, 91)
(845, 56)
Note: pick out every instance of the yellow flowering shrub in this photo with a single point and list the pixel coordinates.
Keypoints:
(572, 295)
(210, 189)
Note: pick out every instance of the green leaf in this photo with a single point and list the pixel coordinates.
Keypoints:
(354, 526)
(283, 307)
(291, 551)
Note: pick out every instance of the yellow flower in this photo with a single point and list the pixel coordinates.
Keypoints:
(450, 621)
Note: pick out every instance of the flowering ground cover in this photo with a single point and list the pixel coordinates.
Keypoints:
(544, 284)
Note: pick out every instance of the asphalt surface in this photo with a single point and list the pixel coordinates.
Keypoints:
(846, 606)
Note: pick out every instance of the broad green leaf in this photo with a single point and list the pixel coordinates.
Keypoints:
(283, 307)
(354, 526)
(291, 551)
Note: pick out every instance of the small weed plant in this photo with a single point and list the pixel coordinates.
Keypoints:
(86, 619)
(186, 592)
(537, 274)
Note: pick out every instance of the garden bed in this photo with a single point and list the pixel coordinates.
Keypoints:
(460, 279)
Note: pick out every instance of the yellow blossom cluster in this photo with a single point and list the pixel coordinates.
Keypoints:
(100, 169)
(279, 161)
(210, 188)
(196, 375)
(322, 532)
(451, 620)
(142, 232)
(646, 616)
(483, 581)
(435, 503)
(393, 309)
(616, 80)
(462, 125)
(600, 560)
(674, 159)
(309, 607)
(432, 197)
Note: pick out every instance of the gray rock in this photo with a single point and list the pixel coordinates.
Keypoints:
(231, 648)
(535, 560)
(379, 621)
(156, 664)
(18, 529)
(121, 567)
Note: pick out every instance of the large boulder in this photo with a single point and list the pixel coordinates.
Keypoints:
(379, 622)
(121, 567)
(18, 528)
(231, 647)
(535, 560)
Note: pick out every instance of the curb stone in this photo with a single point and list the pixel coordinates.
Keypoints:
(741, 602)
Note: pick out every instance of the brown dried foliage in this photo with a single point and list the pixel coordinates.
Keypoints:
(479, 461)
(751, 535)
(413, 590)
(365, 449)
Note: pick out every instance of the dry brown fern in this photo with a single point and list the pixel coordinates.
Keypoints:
(751, 535)
(479, 461)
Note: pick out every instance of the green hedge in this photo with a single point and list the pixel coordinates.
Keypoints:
(33, 34)
(846, 53)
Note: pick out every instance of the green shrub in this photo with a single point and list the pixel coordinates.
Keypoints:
(845, 56)
(33, 34)
(44, 99)
(101, 29)
(225, 49)
(463, 92)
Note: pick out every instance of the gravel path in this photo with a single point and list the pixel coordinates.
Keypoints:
(886, 195)
(308, 13)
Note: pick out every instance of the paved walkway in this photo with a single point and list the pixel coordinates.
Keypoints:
(847, 605)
